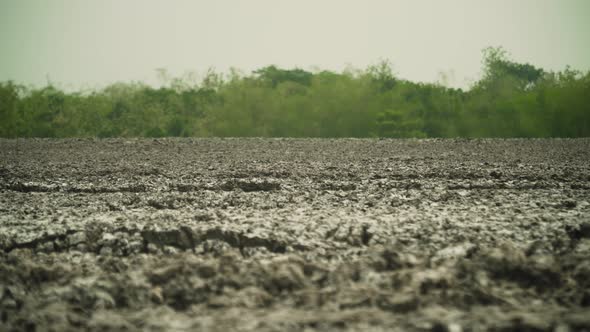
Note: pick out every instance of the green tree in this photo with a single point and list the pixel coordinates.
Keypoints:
(9, 100)
(400, 124)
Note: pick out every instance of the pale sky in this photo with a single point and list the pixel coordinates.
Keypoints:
(83, 43)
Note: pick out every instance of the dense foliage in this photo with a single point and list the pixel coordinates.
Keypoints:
(510, 100)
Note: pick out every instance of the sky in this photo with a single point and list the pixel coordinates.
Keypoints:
(89, 44)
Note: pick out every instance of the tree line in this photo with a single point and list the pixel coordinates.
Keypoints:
(510, 100)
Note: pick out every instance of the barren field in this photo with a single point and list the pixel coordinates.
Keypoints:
(294, 235)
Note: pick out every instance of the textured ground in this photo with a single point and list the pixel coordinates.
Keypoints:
(292, 235)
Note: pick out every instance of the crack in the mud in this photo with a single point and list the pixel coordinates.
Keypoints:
(40, 240)
(183, 238)
(365, 235)
(249, 186)
(186, 238)
(44, 188)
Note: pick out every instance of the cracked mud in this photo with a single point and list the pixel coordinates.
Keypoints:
(294, 234)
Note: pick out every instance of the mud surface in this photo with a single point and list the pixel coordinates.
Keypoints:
(294, 235)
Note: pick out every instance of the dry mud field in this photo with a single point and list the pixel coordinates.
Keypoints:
(294, 235)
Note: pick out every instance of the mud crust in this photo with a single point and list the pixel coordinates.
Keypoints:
(294, 235)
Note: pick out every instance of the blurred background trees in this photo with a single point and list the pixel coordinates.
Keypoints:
(510, 100)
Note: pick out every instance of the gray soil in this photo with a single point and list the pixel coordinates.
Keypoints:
(293, 235)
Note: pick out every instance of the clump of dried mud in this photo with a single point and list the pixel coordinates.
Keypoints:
(292, 235)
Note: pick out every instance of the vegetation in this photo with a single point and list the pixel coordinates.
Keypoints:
(510, 100)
